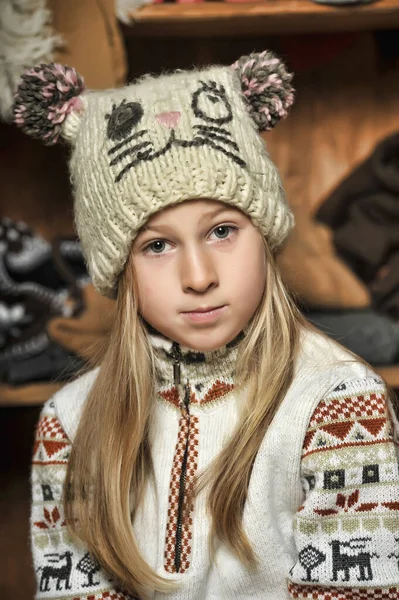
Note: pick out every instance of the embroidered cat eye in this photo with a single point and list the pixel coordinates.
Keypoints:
(216, 95)
(122, 119)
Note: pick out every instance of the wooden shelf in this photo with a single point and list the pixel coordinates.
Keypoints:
(207, 19)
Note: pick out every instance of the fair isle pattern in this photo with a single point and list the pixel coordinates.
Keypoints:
(370, 405)
(339, 416)
(210, 375)
(51, 445)
(62, 569)
(348, 421)
(301, 592)
(219, 390)
(347, 530)
(175, 538)
(171, 396)
(50, 427)
(345, 536)
(204, 396)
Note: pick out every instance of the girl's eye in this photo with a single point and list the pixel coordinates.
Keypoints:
(222, 231)
(158, 247)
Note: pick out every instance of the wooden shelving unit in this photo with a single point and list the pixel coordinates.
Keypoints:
(207, 19)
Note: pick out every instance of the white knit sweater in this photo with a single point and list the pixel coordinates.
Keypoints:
(322, 512)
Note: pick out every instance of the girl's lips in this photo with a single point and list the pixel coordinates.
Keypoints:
(205, 317)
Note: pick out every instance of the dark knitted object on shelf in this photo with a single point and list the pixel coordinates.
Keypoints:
(38, 281)
(363, 211)
(365, 332)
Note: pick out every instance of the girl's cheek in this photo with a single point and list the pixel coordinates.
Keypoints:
(149, 292)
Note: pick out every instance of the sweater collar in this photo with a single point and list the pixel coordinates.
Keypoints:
(209, 375)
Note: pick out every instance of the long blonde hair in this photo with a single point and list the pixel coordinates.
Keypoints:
(110, 461)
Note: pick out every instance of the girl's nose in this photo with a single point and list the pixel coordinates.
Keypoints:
(198, 272)
(169, 119)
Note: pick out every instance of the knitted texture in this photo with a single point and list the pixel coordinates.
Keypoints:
(46, 95)
(62, 568)
(269, 95)
(158, 142)
(322, 519)
(347, 529)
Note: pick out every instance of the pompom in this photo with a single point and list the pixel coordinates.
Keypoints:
(46, 95)
(266, 84)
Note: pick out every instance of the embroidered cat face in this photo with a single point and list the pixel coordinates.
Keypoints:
(208, 111)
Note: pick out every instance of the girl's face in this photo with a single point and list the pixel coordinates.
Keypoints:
(197, 256)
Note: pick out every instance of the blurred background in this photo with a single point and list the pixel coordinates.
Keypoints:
(338, 154)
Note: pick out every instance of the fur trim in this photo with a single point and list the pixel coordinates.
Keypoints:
(26, 38)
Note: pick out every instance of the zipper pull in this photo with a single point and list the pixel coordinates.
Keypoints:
(187, 397)
(176, 362)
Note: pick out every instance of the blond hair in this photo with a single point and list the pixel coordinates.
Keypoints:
(111, 448)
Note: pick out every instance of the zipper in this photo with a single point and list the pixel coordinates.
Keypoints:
(182, 484)
(185, 409)
(176, 353)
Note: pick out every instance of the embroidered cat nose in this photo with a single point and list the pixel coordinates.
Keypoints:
(169, 119)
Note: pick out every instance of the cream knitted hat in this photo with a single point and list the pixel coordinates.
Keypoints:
(159, 141)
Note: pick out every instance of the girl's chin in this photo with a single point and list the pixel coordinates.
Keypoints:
(205, 342)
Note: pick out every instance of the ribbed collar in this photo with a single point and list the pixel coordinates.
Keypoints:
(210, 375)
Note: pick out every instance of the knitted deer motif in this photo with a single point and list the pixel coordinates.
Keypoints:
(59, 573)
(344, 562)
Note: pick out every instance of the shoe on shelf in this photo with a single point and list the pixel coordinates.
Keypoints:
(27, 354)
(51, 317)
(41, 353)
(29, 264)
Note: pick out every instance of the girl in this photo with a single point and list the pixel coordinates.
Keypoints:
(222, 449)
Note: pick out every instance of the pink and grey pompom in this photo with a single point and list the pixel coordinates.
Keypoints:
(266, 84)
(45, 96)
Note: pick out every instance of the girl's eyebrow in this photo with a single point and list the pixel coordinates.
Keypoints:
(205, 217)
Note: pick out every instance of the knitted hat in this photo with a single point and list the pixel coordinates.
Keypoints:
(159, 141)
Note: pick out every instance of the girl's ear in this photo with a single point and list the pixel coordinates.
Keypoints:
(46, 96)
(266, 84)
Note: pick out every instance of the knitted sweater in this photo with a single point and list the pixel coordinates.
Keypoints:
(322, 512)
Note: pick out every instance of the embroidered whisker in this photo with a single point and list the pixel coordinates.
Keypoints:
(136, 161)
(143, 156)
(208, 142)
(128, 152)
(218, 138)
(236, 159)
(207, 128)
(126, 141)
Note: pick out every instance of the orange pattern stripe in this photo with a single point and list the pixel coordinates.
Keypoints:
(188, 426)
(315, 592)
